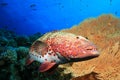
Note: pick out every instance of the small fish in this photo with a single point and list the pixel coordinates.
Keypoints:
(3, 4)
(56, 48)
(33, 5)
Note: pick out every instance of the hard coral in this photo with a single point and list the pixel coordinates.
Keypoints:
(10, 56)
(22, 52)
(12, 43)
(7, 33)
(3, 41)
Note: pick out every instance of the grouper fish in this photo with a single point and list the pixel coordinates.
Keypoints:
(56, 48)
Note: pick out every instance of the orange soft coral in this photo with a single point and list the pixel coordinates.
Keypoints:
(104, 31)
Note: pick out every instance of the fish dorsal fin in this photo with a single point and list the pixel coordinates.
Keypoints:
(39, 47)
(46, 66)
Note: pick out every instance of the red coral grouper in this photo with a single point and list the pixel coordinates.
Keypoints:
(56, 48)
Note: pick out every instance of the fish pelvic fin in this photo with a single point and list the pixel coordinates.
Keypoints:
(47, 66)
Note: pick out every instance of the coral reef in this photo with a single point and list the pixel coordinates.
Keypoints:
(13, 53)
(104, 31)
(3, 41)
(10, 55)
(22, 52)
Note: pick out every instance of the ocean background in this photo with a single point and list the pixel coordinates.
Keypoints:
(26, 17)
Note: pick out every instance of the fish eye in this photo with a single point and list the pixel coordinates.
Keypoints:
(86, 37)
(77, 37)
(88, 49)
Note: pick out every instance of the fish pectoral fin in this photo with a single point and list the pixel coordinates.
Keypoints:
(46, 66)
(29, 61)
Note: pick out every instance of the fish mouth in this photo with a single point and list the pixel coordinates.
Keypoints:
(92, 50)
(95, 53)
(88, 53)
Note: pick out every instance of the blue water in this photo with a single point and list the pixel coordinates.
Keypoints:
(31, 16)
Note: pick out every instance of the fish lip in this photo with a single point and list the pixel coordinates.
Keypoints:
(92, 48)
(95, 52)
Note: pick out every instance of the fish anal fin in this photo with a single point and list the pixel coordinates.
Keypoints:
(46, 66)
